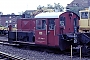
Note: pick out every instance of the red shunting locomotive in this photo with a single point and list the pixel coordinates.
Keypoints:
(55, 29)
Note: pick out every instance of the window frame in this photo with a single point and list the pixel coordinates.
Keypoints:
(50, 25)
(41, 26)
(76, 21)
(83, 16)
(62, 19)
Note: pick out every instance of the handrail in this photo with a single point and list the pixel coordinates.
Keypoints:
(46, 29)
(54, 30)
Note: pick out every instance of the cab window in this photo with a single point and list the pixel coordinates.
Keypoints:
(51, 24)
(62, 21)
(75, 21)
(84, 15)
(40, 24)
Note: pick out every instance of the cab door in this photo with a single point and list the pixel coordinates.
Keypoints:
(51, 32)
(41, 32)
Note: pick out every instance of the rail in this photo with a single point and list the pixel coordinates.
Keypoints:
(10, 56)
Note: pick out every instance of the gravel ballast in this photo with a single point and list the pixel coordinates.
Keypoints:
(36, 55)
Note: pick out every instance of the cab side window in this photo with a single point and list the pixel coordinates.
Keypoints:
(76, 26)
(40, 24)
(62, 21)
(43, 24)
(84, 15)
(75, 22)
(51, 24)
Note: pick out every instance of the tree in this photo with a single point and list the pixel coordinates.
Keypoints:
(58, 7)
(40, 7)
(49, 6)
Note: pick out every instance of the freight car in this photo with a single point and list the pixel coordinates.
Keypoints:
(3, 30)
(54, 29)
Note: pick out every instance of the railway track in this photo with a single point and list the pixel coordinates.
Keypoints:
(9, 44)
(51, 50)
(6, 56)
(4, 41)
(40, 48)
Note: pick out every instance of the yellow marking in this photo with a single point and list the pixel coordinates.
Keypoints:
(40, 33)
(42, 38)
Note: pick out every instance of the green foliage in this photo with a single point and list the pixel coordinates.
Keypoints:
(56, 6)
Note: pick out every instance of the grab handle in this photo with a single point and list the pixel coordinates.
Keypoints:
(46, 29)
(54, 30)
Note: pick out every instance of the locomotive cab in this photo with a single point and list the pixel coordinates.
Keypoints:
(52, 27)
(46, 29)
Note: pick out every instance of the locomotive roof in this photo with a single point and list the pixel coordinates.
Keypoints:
(49, 15)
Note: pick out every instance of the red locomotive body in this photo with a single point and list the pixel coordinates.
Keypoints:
(26, 24)
(50, 25)
(24, 33)
(49, 29)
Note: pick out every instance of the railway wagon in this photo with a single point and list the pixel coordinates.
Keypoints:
(54, 29)
(84, 21)
(3, 31)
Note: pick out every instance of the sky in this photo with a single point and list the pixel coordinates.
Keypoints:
(16, 6)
